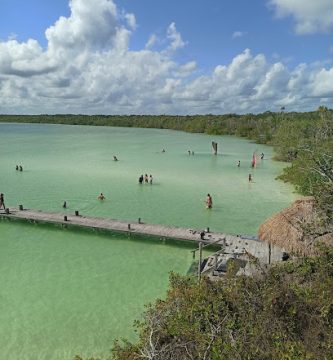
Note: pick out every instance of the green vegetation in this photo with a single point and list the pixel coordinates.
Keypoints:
(261, 128)
(286, 313)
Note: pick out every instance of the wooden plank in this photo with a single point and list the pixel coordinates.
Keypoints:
(109, 224)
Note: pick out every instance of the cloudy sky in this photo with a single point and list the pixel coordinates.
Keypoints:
(165, 56)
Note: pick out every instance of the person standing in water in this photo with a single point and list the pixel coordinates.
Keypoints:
(250, 177)
(64, 205)
(150, 180)
(238, 163)
(209, 202)
(2, 201)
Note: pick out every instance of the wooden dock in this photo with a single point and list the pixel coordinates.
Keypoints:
(231, 244)
(126, 227)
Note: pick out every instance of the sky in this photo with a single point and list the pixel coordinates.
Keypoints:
(165, 56)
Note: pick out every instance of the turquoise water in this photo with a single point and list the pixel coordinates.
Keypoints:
(66, 292)
(75, 163)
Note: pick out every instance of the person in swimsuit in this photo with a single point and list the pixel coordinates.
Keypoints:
(209, 202)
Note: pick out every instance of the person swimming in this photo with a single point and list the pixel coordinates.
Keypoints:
(101, 196)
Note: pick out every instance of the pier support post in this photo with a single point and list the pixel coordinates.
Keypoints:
(76, 213)
(65, 218)
(200, 261)
(21, 207)
(215, 262)
(139, 220)
(129, 226)
(7, 211)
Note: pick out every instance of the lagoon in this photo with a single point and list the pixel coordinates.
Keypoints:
(67, 292)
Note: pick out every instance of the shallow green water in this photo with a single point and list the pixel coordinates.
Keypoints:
(75, 163)
(64, 292)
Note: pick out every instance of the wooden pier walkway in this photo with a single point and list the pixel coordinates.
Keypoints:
(127, 227)
(232, 244)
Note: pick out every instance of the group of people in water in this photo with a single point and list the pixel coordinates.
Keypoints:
(146, 179)
(253, 164)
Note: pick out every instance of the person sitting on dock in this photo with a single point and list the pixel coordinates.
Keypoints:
(101, 196)
(2, 201)
(209, 202)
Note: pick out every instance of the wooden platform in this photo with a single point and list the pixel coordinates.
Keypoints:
(127, 227)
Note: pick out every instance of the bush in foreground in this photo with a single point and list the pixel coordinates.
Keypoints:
(284, 314)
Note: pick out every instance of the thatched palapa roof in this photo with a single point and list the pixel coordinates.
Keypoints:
(291, 229)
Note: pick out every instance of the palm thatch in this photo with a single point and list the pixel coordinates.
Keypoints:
(293, 229)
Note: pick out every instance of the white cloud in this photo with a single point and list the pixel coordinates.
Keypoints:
(311, 16)
(91, 25)
(151, 41)
(88, 67)
(175, 37)
(323, 83)
(131, 21)
(238, 34)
